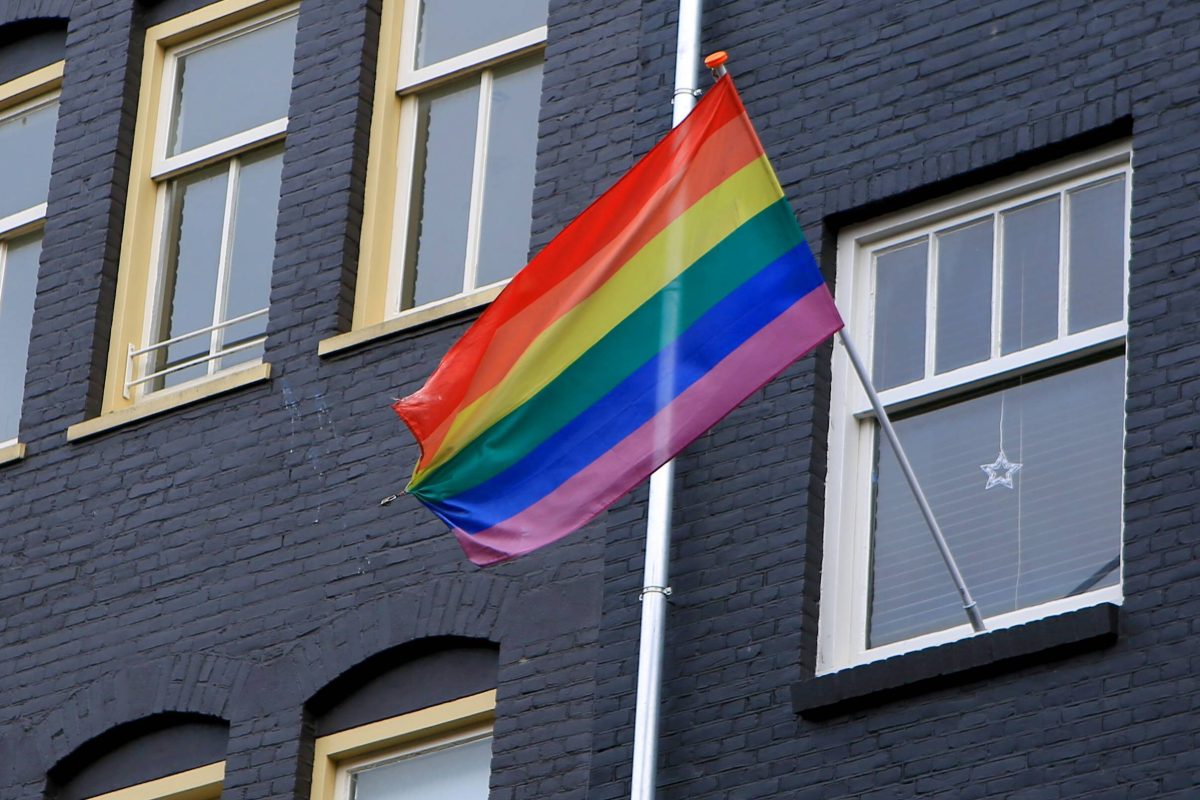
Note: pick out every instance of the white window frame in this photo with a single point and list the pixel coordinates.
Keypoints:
(19, 223)
(410, 83)
(346, 770)
(163, 169)
(847, 550)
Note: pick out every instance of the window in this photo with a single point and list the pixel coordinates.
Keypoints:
(202, 783)
(28, 116)
(454, 138)
(437, 752)
(199, 238)
(994, 323)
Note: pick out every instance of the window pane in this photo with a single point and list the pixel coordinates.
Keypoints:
(445, 151)
(189, 281)
(18, 282)
(964, 296)
(1057, 533)
(233, 85)
(26, 143)
(900, 281)
(252, 250)
(1030, 279)
(444, 31)
(460, 772)
(1097, 255)
(508, 183)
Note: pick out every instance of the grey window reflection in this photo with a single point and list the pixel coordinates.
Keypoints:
(508, 180)
(251, 251)
(18, 283)
(899, 341)
(441, 200)
(460, 772)
(189, 277)
(1057, 534)
(964, 296)
(1029, 311)
(1097, 264)
(26, 144)
(444, 33)
(233, 85)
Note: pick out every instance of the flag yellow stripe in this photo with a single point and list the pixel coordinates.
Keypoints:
(687, 238)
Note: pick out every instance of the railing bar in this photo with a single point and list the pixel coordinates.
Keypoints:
(200, 360)
(185, 336)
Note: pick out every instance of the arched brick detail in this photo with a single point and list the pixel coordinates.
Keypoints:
(471, 606)
(30, 10)
(197, 683)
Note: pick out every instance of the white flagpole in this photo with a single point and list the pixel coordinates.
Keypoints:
(655, 590)
(885, 423)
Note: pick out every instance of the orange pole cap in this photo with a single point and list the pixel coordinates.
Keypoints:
(717, 59)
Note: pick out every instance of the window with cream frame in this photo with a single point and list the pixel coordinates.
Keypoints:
(199, 234)
(202, 783)
(993, 323)
(449, 193)
(437, 752)
(28, 118)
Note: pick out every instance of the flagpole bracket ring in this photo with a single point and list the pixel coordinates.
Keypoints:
(665, 591)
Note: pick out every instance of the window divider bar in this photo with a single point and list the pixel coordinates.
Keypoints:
(235, 144)
(221, 298)
(412, 80)
(997, 282)
(13, 223)
(198, 332)
(1064, 272)
(478, 179)
(931, 304)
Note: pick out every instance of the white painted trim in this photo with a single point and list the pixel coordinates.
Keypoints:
(196, 158)
(483, 124)
(844, 587)
(410, 80)
(14, 224)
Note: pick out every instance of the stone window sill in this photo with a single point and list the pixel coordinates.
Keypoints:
(161, 403)
(11, 452)
(949, 664)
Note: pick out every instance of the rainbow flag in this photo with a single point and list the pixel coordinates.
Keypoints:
(678, 293)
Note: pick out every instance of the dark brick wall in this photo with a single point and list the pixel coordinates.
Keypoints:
(231, 558)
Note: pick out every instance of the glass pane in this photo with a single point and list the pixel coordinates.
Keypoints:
(26, 144)
(460, 772)
(1097, 255)
(900, 281)
(189, 280)
(1055, 534)
(1030, 279)
(445, 156)
(18, 282)
(964, 296)
(233, 85)
(508, 183)
(444, 31)
(252, 250)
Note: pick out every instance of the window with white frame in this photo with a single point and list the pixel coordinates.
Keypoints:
(216, 164)
(458, 766)
(432, 753)
(26, 144)
(995, 324)
(468, 87)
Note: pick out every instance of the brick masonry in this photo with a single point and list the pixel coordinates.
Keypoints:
(231, 558)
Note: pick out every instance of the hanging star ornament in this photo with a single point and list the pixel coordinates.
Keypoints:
(994, 470)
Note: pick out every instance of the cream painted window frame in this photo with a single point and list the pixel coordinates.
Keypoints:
(25, 93)
(847, 540)
(150, 169)
(201, 783)
(336, 754)
(390, 175)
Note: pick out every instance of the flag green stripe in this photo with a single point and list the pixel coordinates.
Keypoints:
(633, 342)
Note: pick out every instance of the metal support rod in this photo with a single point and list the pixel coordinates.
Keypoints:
(885, 425)
(656, 574)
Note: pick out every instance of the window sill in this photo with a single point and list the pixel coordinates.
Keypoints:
(410, 319)
(160, 403)
(9, 453)
(957, 662)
